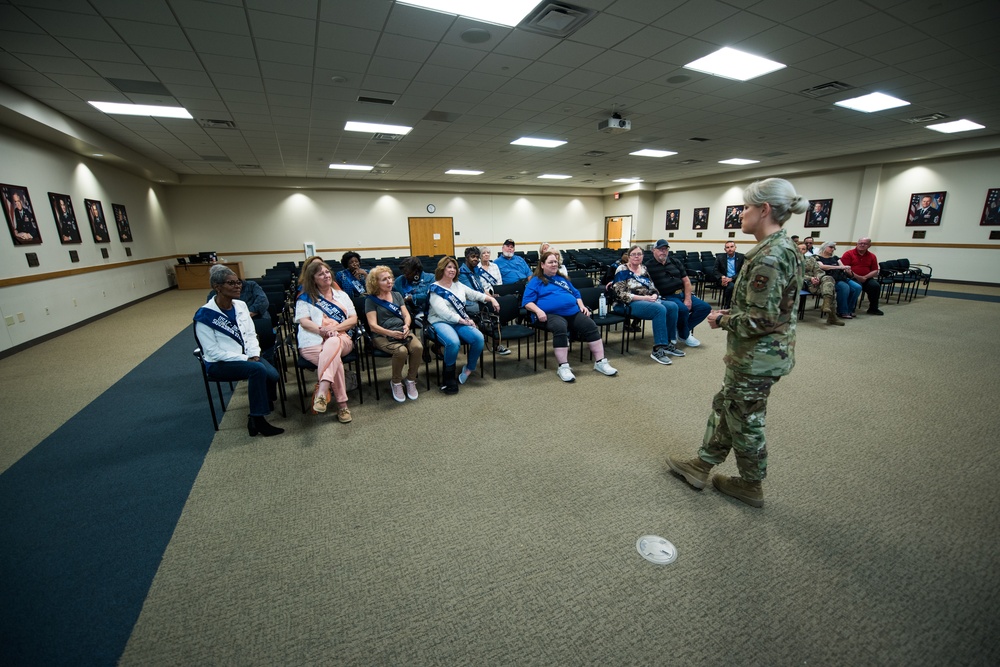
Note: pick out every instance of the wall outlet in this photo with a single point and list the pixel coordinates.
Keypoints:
(74, 303)
(46, 311)
(9, 320)
(20, 317)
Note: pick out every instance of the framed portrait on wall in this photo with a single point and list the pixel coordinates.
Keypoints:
(926, 209)
(673, 219)
(700, 220)
(98, 225)
(733, 214)
(991, 209)
(66, 225)
(21, 219)
(818, 214)
(121, 222)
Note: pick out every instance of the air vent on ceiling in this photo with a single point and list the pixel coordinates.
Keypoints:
(441, 116)
(557, 19)
(588, 180)
(775, 154)
(926, 119)
(690, 161)
(824, 89)
(385, 136)
(213, 124)
(595, 153)
(248, 166)
(379, 171)
(140, 87)
(698, 139)
(510, 178)
(376, 100)
(214, 158)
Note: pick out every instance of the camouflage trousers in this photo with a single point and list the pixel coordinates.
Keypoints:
(826, 287)
(737, 423)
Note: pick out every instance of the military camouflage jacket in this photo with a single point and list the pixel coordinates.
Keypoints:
(810, 268)
(761, 322)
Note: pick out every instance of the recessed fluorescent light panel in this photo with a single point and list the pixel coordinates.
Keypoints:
(538, 143)
(141, 110)
(463, 172)
(956, 126)
(627, 180)
(649, 152)
(738, 161)
(732, 64)
(558, 177)
(508, 12)
(872, 102)
(352, 167)
(354, 126)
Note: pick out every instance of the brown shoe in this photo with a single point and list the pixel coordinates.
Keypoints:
(319, 401)
(344, 415)
(741, 489)
(695, 471)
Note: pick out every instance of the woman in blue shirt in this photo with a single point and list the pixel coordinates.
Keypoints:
(553, 301)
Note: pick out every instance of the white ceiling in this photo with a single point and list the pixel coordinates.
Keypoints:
(269, 66)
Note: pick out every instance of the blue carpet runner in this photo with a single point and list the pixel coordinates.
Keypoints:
(86, 515)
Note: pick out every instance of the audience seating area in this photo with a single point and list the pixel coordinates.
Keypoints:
(585, 267)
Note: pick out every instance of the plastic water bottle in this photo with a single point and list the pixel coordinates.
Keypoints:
(602, 306)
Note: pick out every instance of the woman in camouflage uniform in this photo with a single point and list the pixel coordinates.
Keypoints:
(759, 348)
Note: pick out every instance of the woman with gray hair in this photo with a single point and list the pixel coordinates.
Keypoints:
(847, 290)
(760, 346)
(230, 349)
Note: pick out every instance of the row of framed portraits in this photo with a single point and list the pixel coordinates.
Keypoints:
(22, 222)
(925, 210)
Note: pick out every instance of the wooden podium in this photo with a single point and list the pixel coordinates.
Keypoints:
(195, 276)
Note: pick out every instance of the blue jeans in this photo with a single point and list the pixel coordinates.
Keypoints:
(848, 292)
(687, 320)
(453, 335)
(261, 377)
(663, 315)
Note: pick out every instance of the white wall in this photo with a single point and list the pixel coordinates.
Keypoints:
(871, 202)
(237, 221)
(48, 305)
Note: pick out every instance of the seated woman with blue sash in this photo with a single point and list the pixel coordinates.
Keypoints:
(553, 301)
(229, 346)
(352, 278)
(452, 324)
(414, 284)
(632, 286)
(326, 315)
(390, 323)
(472, 276)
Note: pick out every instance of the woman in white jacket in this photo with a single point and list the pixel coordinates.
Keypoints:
(230, 349)
(451, 322)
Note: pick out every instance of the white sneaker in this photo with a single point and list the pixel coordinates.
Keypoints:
(501, 350)
(691, 341)
(397, 392)
(411, 389)
(565, 374)
(603, 366)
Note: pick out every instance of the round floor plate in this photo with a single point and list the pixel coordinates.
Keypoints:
(655, 549)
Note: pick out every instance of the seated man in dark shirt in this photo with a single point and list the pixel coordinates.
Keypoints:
(670, 279)
(727, 267)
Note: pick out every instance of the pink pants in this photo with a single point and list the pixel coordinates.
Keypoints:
(329, 366)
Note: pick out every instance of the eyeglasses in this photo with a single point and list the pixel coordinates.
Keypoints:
(233, 283)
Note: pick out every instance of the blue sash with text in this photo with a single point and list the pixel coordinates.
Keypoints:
(220, 322)
(453, 300)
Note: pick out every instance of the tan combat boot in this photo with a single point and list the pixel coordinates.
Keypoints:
(831, 318)
(741, 489)
(695, 471)
(827, 308)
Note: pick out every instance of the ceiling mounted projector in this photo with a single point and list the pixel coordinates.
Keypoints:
(614, 125)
